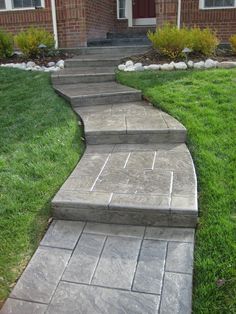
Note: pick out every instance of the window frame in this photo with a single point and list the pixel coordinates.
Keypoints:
(203, 7)
(10, 7)
(118, 10)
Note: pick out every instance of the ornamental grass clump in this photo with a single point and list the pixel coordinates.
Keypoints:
(202, 41)
(232, 41)
(169, 40)
(28, 41)
(6, 44)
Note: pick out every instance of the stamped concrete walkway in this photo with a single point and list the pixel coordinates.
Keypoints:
(122, 240)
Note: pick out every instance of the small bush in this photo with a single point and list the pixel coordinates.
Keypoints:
(169, 40)
(6, 44)
(28, 41)
(232, 41)
(203, 41)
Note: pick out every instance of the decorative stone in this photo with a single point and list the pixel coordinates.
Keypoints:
(60, 64)
(121, 67)
(51, 64)
(199, 65)
(226, 64)
(167, 67)
(30, 64)
(129, 63)
(180, 66)
(190, 64)
(138, 67)
(209, 63)
(154, 67)
(129, 69)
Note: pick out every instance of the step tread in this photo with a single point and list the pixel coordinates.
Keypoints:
(84, 71)
(127, 118)
(141, 179)
(93, 89)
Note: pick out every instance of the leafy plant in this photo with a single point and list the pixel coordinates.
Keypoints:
(232, 41)
(29, 40)
(203, 41)
(169, 40)
(6, 44)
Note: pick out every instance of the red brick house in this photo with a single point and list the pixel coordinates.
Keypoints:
(75, 22)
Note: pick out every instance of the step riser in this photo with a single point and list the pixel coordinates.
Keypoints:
(91, 63)
(83, 79)
(124, 217)
(142, 138)
(105, 99)
(114, 51)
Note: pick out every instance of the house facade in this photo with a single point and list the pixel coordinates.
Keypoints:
(76, 22)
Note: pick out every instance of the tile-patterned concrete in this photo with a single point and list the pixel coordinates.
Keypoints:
(107, 269)
(115, 251)
(159, 180)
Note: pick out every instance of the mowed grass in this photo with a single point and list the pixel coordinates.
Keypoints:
(205, 102)
(40, 143)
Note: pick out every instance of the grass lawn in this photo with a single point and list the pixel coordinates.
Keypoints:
(40, 143)
(205, 102)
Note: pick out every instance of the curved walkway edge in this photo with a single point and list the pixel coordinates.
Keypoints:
(122, 239)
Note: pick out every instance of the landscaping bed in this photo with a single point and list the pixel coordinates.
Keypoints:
(40, 144)
(153, 57)
(205, 102)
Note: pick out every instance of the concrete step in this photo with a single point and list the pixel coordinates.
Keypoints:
(151, 184)
(84, 75)
(131, 47)
(93, 61)
(97, 93)
(133, 122)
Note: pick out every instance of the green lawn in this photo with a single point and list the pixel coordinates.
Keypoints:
(205, 102)
(40, 143)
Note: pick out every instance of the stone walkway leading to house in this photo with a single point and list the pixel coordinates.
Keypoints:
(123, 236)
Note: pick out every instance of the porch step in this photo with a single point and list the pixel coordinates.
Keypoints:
(84, 75)
(152, 185)
(93, 61)
(131, 47)
(125, 41)
(97, 93)
(134, 122)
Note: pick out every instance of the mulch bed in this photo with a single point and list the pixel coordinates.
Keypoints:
(153, 57)
(39, 60)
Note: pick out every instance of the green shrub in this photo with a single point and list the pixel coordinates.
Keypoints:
(232, 41)
(203, 41)
(6, 44)
(169, 40)
(29, 40)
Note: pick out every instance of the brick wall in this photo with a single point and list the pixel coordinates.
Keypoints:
(222, 21)
(100, 18)
(70, 20)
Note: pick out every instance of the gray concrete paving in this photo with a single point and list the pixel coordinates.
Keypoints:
(159, 182)
(105, 268)
(123, 240)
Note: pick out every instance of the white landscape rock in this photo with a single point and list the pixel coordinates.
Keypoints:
(30, 64)
(180, 66)
(51, 64)
(154, 67)
(209, 63)
(199, 65)
(138, 67)
(227, 64)
(60, 64)
(167, 67)
(129, 64)
(121, 67)
(190, 64)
